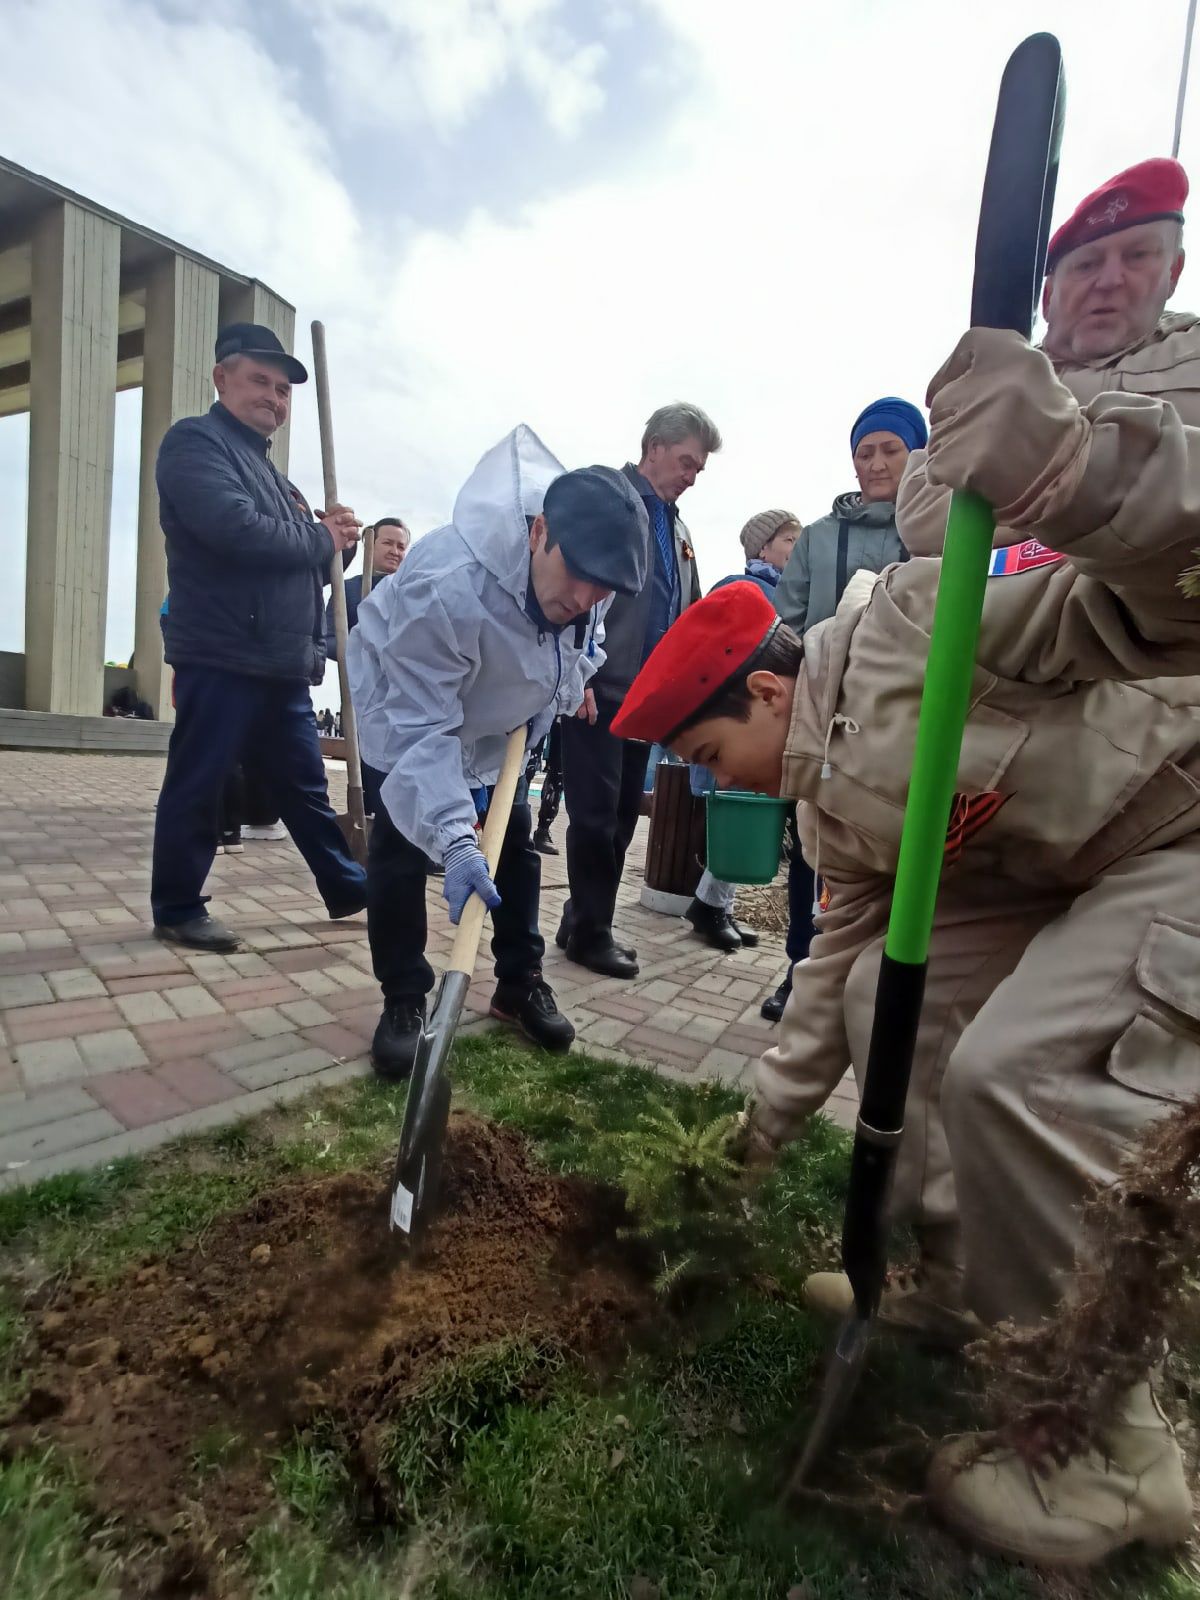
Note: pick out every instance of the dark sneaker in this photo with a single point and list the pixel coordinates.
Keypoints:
(714, 925)
(772, 1006)
(230, 842)
(200, 933)
(532, 1008)
(747, 935)
(397, 1035)
(543, 843)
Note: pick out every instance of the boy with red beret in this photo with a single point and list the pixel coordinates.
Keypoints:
(1062, 1009)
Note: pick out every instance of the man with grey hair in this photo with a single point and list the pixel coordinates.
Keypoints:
(603, 775)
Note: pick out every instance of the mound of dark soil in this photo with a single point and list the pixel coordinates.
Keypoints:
(299, 1306)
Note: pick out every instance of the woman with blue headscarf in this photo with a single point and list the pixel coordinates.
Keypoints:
(860, 531)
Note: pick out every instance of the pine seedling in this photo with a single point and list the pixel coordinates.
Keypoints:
(683, 1190)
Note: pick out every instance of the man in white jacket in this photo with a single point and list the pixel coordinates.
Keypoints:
(493, 621)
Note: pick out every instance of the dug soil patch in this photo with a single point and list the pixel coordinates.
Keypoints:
(296, 1307)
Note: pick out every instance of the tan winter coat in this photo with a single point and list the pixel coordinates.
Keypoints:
(1094, 769)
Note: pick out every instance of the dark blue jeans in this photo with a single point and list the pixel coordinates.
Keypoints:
(218, 715)
(396, 922)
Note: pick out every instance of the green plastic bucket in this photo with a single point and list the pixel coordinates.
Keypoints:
(745, 835)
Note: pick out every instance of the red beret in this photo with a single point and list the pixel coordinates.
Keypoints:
(712, 642)
(1153, 191)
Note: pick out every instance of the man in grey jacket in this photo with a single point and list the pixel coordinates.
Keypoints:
(492, 623)
(602, 775)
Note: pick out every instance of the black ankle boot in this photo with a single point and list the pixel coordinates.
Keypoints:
(714, 925)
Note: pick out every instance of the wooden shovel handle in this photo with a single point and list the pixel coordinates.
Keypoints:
(341, 626)
(470, 927)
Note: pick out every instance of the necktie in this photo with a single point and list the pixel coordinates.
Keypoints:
(662, 533)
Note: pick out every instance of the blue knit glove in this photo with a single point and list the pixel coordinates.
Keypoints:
(466, 872)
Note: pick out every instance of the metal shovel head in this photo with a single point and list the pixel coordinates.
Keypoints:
(417, 1177)
(357, 838)
(841, 1379)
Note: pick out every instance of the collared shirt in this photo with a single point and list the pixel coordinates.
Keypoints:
(664, 580)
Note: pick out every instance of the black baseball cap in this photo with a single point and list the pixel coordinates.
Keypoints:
(252, 339)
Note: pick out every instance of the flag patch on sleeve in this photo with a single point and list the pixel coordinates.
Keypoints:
(1016, 558)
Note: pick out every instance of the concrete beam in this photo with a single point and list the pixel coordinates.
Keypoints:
(254, 302)
(181, 327)
(76, 285)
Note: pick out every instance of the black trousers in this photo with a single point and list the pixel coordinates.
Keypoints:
(602, 785)
(248, 800)
(218, 715)
(397, 927)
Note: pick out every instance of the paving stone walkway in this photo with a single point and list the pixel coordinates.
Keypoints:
(111, 1042)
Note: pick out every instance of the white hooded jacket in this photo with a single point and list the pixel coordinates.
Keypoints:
(445, 660)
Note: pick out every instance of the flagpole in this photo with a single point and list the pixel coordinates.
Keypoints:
(1183, 75)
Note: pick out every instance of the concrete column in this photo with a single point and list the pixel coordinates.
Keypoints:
(73, 366)
(254, 302)
(181, 327)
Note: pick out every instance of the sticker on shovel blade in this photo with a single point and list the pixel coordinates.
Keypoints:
(402, 1208)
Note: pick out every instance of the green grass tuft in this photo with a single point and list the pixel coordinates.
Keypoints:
(47, 1551)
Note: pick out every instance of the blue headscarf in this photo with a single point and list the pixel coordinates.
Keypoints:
(891, 415)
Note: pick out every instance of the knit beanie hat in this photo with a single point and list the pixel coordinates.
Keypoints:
(762, 528)
(891, 415)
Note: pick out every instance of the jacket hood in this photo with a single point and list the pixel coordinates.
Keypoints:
(852, 507)
(507, 486)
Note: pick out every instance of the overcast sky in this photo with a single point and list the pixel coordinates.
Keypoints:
(566, 213)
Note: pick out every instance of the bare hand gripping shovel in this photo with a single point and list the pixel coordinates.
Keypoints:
(1010, 256)
(419, 1164)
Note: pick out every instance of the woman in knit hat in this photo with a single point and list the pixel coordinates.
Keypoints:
(768, 539)
(860, 531)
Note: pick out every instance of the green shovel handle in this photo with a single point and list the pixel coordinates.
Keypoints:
(944, 705)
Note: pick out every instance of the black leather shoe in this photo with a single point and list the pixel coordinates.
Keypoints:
(602, 956)
(200, 933)
(543, 843)
(772, 1006)
(351, 908)
(397, 1035)
(564, 936)
(532, 1008)
(714, 925)
(747, 935)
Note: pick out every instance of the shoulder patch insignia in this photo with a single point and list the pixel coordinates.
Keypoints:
(1016, 558)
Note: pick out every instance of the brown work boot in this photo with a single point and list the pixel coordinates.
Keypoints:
(1133, 1491)
(924, 1302)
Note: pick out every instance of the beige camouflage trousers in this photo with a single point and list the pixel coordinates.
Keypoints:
(1055, 1030)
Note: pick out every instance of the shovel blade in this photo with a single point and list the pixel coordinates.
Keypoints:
(357, 836)
(842, 1373)
(417, 1175)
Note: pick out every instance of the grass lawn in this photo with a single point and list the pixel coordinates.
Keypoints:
(515, 1470)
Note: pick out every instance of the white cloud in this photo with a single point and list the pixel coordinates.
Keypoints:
(438, 62)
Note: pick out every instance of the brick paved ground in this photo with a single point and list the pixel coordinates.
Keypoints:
(111, 1042)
